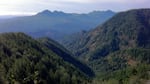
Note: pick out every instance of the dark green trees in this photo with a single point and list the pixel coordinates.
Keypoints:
(115, 47)
(24, 60)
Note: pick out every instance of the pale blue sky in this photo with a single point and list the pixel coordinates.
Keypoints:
(13, 7)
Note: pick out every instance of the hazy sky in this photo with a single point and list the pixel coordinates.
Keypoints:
(11, 7)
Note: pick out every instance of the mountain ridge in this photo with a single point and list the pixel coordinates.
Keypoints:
(114, 32)
(25, 60)
(116, 47)
(55, 24)
(66, 55)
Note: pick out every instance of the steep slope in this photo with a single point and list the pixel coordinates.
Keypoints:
(119, 46)
(24, 60)
(54, 24)
(125, 30)
(66, 55)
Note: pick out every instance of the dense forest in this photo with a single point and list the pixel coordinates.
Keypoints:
(66, 55)
(119, 50)
(24, 60)
(115, 52)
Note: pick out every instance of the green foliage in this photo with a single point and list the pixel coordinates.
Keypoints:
(24, 60)
(129, 75)
(114, 48)
(66, 55)
(118, 52)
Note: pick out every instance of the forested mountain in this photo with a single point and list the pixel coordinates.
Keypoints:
(66, 55)
(55, 24)
(119, 50)
(24, 60)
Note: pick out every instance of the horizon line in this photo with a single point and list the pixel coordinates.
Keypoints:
(16, 13)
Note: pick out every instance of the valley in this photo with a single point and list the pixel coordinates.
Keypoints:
(40, 49)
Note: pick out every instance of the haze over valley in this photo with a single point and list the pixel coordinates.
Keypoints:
(74, 42)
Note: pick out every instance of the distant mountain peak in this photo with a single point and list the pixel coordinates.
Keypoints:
(58, 11)
(109, 11)
(94, 13)
(45, 12)
(49, 13)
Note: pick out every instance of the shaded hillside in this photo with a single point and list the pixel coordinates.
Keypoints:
(66, 55)
(125, 30)
(24, 60)
(118, 47)
(55, 24)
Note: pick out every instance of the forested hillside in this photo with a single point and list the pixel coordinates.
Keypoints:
(66, 55)
(119, 50)
(24, 60)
